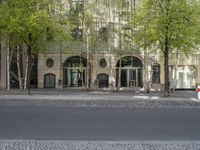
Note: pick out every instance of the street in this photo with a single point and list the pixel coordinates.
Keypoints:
(79, 123)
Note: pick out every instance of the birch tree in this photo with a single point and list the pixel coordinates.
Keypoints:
(33, 23)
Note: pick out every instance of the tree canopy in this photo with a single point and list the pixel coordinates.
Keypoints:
(167, 26)
(42, 19)
(176, 20)
(32, 24)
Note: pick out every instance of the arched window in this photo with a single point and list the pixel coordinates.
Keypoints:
(129, 70)
(129, 61)
(76, 61)
(75, 71)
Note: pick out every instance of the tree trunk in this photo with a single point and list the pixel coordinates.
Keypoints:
(18, 68)
(82, 72)
(166, 54)
(8, 67)
(113, 81)
(120, 46)
(119, 73)
(166, 63)
(29, 67)
(26, 73)
(87, 66)
(24, 67)
(61, 68)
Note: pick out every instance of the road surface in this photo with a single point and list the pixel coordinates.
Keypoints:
(115, 124)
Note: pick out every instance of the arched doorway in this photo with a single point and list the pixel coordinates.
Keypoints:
(129, 69)
(103, 80)
(49, 80)
(75, 71)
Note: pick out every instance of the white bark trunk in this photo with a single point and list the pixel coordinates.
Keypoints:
(120, 45)
(26, 74)
(18, 68)
(112, 81)
(87, 67)
(85, 35)
(61, 68)
(8, 67)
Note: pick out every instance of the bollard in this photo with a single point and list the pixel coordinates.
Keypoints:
(198, 91)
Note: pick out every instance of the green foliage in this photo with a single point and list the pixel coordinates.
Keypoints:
(39, 18)
(176, 21)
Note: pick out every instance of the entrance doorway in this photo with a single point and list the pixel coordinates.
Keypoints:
(75, 71)
(103, 80)
(128, 71)
(49, 81)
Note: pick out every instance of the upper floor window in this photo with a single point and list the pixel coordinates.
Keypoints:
(125, 5)
(77, 7)
(127, 34)
(103, 34)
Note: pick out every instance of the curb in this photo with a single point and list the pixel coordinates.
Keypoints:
(100, 145)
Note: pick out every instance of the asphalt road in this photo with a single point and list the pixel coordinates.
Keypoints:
(62, 123)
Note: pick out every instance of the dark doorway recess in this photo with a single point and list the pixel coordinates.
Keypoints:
(103, 80)
(49, 81)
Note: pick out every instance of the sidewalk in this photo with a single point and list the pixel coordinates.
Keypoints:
(160, 94)
(81, 98)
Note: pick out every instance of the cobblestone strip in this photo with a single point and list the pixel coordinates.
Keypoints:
(85, 99)
(98, 145)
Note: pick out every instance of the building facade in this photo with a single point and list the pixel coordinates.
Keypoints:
(102, 56)
(109, 71)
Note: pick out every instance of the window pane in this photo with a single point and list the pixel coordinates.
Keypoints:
(156, 74)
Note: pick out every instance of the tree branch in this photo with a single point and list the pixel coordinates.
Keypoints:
(160, 5)
(37, 35)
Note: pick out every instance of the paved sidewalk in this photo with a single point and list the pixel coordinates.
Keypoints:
(98, 145)
(80, 98)
(176, 95)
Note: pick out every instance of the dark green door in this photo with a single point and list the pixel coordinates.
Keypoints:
(49, 81)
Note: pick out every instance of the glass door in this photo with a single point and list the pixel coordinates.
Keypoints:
(124, 78)
(133, 77)
(73, 74)
(128, 76)
(74, 77)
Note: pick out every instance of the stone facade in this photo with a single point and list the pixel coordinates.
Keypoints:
(145, 70)
(182, 64)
